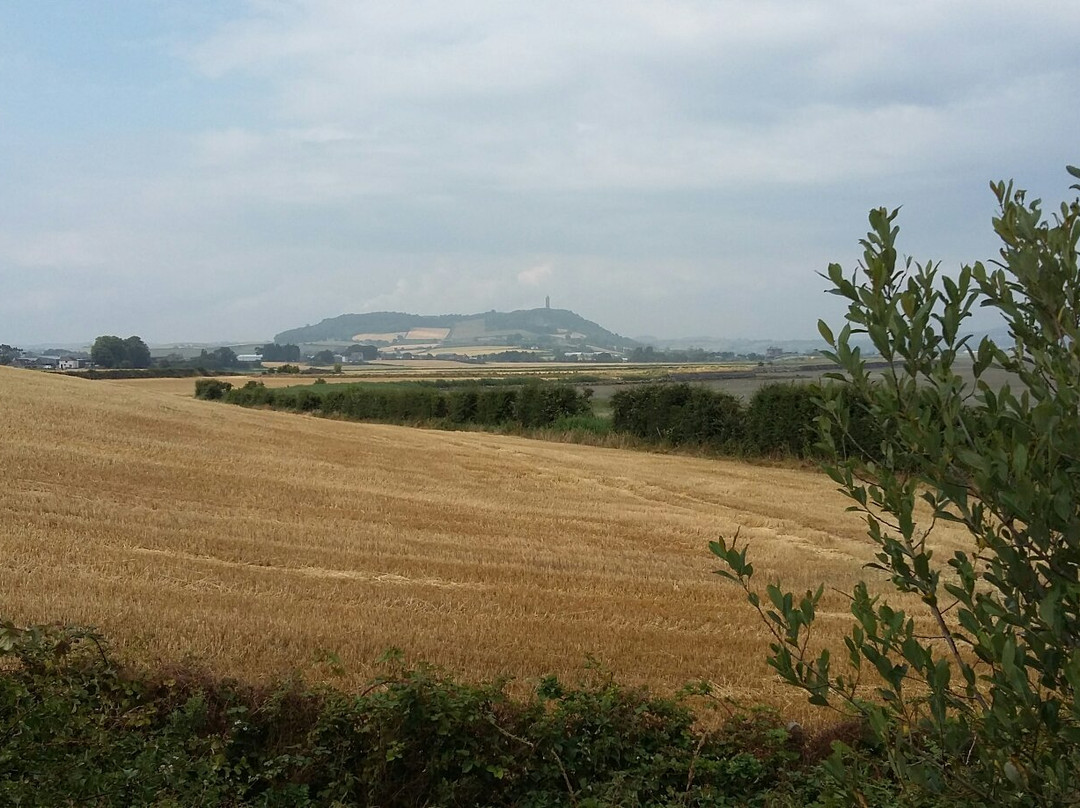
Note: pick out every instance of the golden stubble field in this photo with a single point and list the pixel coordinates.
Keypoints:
(257, 541)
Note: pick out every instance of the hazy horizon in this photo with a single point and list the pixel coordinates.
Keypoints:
(203, 340)
(234, 168)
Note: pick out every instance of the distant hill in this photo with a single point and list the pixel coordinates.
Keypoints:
(549, 328)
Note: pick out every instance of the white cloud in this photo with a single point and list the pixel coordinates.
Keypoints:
(624, 95)
(668, 166)
(534, 276)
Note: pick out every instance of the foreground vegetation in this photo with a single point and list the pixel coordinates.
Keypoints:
(78, 729)
(983, 705)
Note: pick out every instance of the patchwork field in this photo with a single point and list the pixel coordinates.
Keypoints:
(257, 542)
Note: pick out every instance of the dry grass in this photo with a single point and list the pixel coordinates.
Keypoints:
(256, 540)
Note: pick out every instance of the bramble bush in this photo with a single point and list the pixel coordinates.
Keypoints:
(983, 708)
(78, 729)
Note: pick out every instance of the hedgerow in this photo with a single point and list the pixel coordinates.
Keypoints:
(77, 728)
(778, 421)
(531, 405)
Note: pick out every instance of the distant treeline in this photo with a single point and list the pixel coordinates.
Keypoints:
(778, 421)
(534, 404)
(148, 373)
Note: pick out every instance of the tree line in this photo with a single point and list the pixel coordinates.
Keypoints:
(778, 420)
(110, 352)
(534, 404)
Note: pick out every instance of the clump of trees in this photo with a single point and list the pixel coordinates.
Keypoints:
(509, 356)
(972, 692)
(273, 352)
(647, 353)
(9, 353)
(365, 352)
(222, 358)
(113, 352)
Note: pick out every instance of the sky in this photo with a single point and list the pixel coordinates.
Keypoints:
(223, 170)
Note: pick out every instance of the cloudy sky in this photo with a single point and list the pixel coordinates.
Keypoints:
(225, 170)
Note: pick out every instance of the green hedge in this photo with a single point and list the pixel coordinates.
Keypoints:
(679, 414)
(535, 404)
(778, 420)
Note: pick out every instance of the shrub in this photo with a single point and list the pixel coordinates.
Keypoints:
(77, 729)
(252, 394)
(983, 706)
(211, 389)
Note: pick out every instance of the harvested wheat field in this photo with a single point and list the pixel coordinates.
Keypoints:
(186, 386)
(258, 541)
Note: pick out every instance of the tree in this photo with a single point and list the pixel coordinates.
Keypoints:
(108, 351)
(323, 358)
(137, 352)
(280, 353)
(367, 352)
(983, 705)
(9, 353)
(224, 357)
(112, 352)
(217, 359)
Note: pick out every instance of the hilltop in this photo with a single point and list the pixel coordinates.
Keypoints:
(542, 328)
